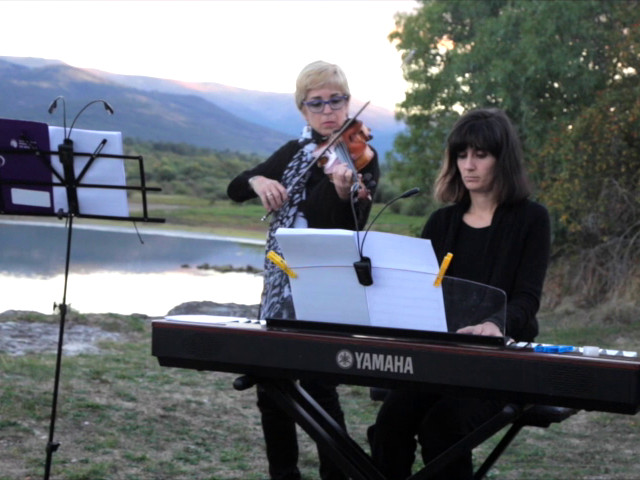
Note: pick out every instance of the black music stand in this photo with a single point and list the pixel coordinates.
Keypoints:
(71, 183)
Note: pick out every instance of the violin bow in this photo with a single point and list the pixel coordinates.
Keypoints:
(336, 135)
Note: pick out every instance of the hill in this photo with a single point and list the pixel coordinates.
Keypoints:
(201, 114)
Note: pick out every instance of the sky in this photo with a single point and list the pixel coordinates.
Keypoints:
(250, 44)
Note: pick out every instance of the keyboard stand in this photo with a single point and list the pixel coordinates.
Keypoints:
(350, 457)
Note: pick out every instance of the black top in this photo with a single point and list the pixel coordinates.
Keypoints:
(468, 263)
(513, 256)
(323, 208)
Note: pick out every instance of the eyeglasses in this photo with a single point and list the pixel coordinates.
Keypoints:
(335, 103)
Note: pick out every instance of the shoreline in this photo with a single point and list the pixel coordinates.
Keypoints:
(171, 231)
(151, 282)
(152, 294)
(28, 332)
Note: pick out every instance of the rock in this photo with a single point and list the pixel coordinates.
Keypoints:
(21, 338)
(23, 332)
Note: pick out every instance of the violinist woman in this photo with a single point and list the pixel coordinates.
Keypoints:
(297, 192)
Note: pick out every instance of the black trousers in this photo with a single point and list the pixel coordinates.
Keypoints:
(281, 437)
(436, 422)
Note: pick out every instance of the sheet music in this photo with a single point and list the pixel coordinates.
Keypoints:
(327, 288)
(103, 171)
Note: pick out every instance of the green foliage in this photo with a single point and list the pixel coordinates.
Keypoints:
(597, 194)
(596, 197)
(564, 71)
(184, 169)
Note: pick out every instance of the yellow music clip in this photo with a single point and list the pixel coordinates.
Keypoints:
(279, 261)
(443, 269)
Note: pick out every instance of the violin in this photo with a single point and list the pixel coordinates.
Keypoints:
(349, 148)
(349, 143)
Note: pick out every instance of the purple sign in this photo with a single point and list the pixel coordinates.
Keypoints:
(25, 172)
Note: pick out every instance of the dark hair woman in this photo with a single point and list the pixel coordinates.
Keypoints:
(498, 237)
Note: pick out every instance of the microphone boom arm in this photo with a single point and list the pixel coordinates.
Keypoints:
(363, 266)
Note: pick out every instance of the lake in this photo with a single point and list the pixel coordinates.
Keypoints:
(113, 269)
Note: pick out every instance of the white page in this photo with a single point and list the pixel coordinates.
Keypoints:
(329, 294)
(309, 247)
(404, 270)
(324, 289)
(327, 288)
(405, 299)
(103, 171)
(388, 250)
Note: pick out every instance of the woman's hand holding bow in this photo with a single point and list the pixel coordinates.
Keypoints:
(272, 193)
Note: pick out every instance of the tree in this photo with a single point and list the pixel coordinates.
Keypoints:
(543, 62)
(598, 192)
(567, 73)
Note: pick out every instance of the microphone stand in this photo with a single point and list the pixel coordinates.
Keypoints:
(363, 266)
(65, 154)
(70, 182)
(51, 445)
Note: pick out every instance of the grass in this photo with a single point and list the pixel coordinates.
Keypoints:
(224, 217)
(123, 417)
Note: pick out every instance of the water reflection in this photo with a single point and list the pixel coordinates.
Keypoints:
(39, 248)
(153, 294)
(112, 271)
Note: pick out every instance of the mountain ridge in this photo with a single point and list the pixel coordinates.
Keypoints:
(202, 114)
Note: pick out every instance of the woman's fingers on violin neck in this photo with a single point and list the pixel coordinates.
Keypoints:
(344, 176)
(364, 193)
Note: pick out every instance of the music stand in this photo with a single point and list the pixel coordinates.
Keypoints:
(25, 192)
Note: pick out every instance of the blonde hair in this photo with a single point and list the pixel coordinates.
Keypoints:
(319, 74)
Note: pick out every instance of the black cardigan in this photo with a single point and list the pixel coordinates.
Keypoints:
(515, 259)
(323, 208)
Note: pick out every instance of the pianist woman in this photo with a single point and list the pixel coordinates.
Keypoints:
(296, 192)
(498, 237)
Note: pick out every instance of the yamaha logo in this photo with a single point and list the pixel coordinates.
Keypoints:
(375, 361)
(344, 359)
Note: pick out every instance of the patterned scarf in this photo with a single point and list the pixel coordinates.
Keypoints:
(276, 294)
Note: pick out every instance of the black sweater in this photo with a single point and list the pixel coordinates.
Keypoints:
(323, 208)
(514, 258)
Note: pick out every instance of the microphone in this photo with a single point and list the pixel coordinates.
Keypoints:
(54, 105)
(363, 266)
